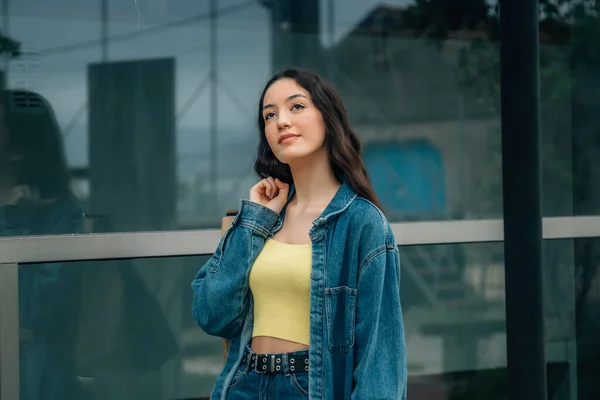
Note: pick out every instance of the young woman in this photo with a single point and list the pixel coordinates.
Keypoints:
(305, 283)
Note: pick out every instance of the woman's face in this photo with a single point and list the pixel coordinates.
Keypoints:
(294, 127)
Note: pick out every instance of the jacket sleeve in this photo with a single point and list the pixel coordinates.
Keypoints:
(221, 292)
(380, 349)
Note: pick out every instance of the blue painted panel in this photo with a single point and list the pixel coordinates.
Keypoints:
(407, 176)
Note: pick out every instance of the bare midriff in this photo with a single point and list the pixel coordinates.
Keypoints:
(271, 345)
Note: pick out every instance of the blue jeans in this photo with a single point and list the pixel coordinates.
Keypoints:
(248, 384)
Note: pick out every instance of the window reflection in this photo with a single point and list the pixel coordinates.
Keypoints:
(172, 147)
(35, 189)
(420, 80)
(114, 329)
(454, 299)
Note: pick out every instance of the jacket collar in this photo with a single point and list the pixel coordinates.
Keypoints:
(340, 202)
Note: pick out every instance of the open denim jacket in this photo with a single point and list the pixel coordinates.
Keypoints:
(357, 347)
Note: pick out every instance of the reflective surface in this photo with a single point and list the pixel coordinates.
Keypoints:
(453, 300)
(122, 329)
(580, 311)
(569, 66)
(155, 101)
(113, 330)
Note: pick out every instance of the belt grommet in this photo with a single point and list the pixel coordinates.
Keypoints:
(292, 368)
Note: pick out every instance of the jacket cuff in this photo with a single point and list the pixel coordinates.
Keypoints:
(259, 218)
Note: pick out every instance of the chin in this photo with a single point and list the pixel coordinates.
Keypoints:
(291, 155)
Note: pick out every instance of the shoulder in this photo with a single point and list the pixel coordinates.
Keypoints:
(371, 222)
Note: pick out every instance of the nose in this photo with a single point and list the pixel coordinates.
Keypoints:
(283, 121)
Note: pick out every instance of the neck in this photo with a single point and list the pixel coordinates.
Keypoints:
(314, 182)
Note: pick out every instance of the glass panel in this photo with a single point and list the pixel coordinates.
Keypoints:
(119, 93)
(154, 126)
(113, 330)
(420, 82)
(569, 73)
(454, 310)
(123, 329)
(454, 303)
(573, 313)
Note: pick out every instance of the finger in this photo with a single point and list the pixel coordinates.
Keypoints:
(284, 188)
(259, 185)
(256, 188)
(281, 184)
(273, 187)
(262, 187)
(268, 188)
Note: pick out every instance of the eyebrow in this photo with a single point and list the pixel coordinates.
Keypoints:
(292, 97)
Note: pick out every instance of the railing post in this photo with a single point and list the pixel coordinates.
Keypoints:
(9, 332)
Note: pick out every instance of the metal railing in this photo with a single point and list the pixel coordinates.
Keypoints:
(33, 249)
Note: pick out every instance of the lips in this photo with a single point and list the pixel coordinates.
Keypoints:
(286, 136)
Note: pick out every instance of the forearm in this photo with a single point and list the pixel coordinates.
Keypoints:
(221, 292)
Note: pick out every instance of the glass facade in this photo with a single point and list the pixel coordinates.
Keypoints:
(114, 329)
(131, 125)
(155, 102)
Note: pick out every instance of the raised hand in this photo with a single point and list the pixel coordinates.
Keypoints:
(271, 193)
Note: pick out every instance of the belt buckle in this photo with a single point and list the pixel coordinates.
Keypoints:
(268, 364)
(263, 361)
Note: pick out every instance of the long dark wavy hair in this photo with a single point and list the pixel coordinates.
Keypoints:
(34, 140)
(342, 143)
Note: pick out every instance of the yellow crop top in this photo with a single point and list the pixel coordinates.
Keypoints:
(280, 285)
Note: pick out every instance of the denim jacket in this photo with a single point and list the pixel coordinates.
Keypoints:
(357, 348)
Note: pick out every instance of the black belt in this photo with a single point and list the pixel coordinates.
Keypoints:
(275, 363)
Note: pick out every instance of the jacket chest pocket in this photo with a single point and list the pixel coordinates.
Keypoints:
(340, 312)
